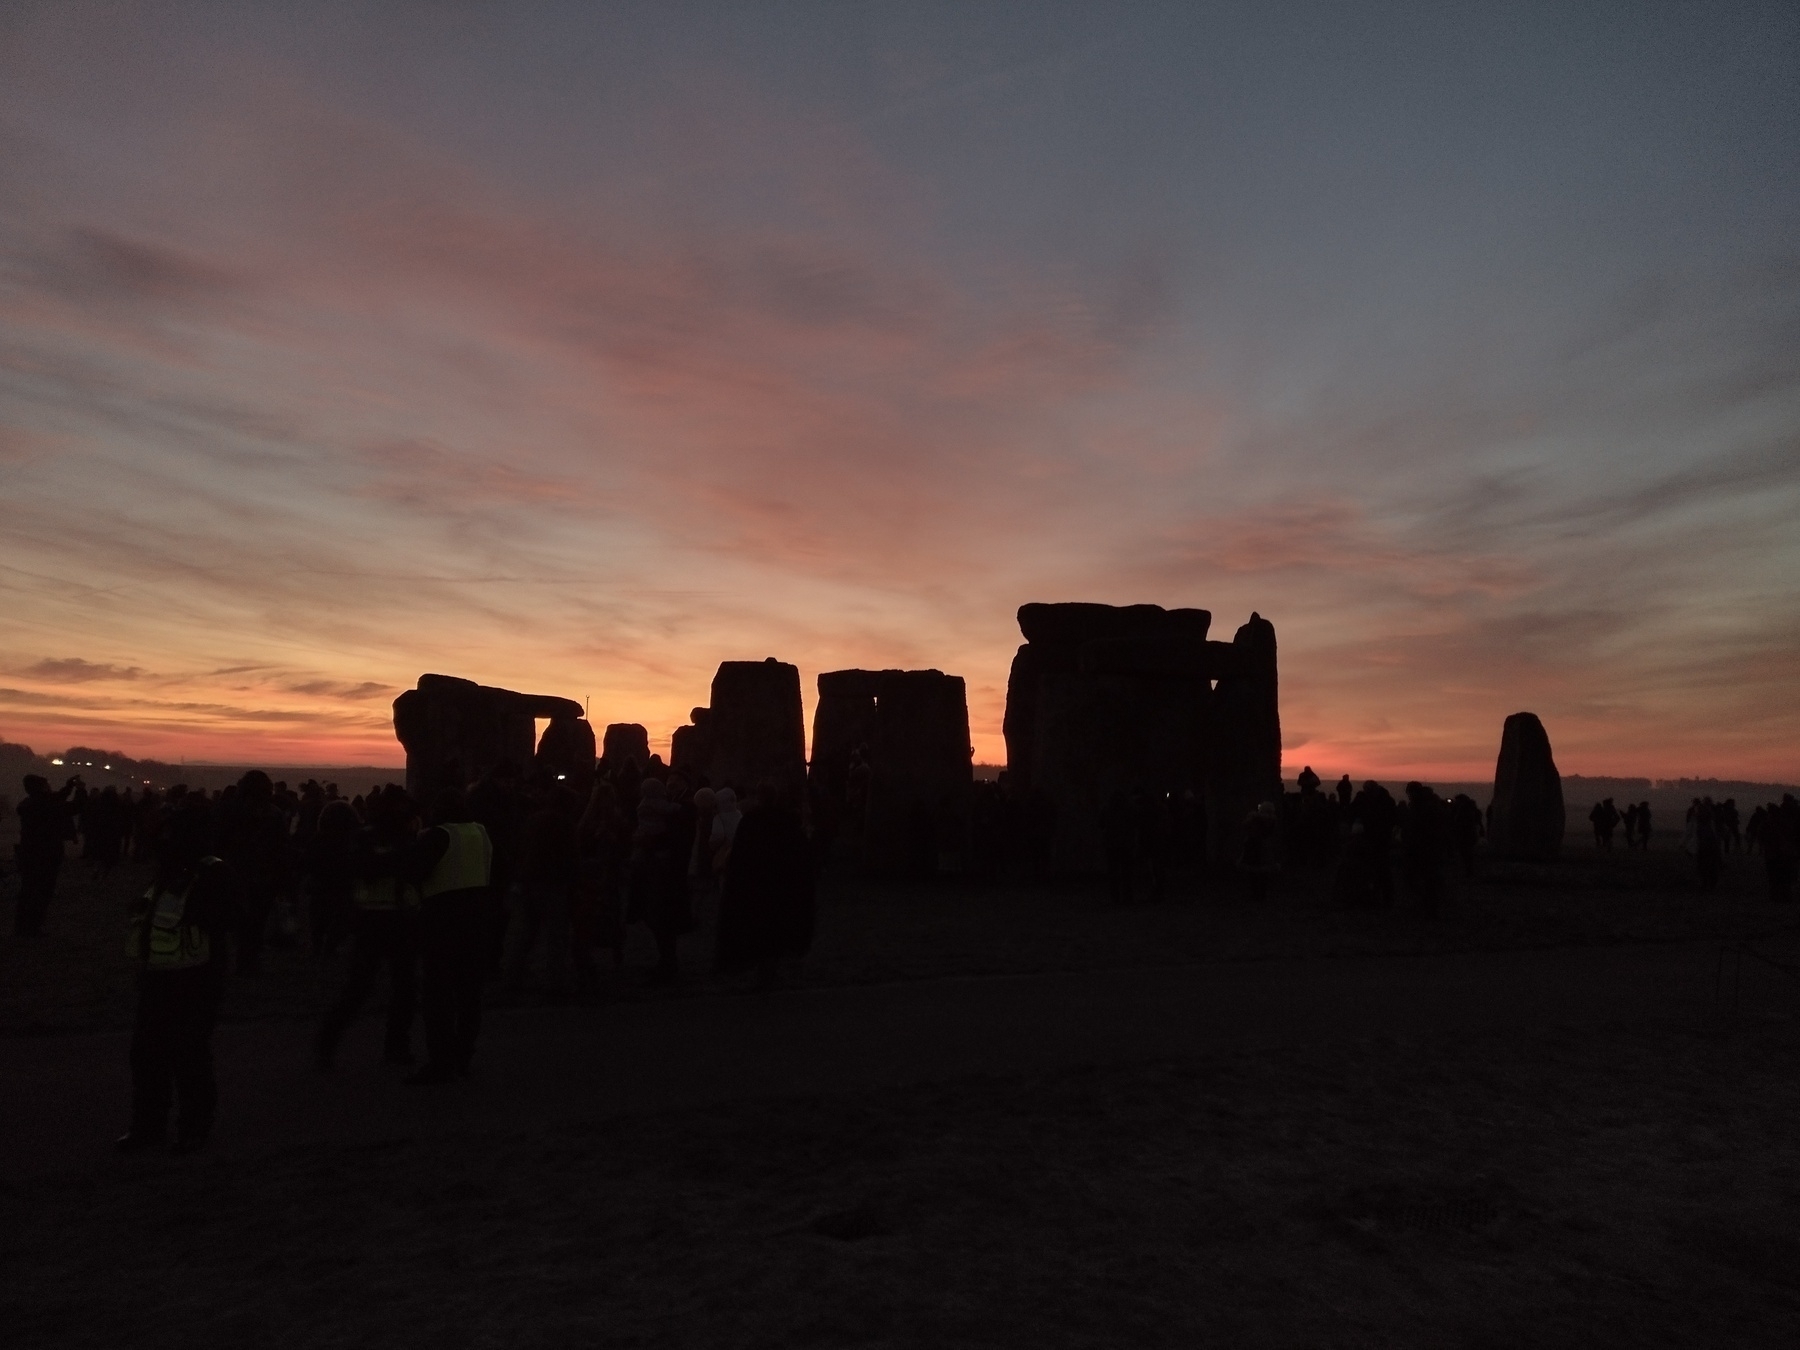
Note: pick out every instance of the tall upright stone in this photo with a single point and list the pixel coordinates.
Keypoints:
(1526, 818)
(1103, 700)
(1244, 760)
(566, 752)
(455, 731)
(754, 729)
(624, 741)
(914, 727)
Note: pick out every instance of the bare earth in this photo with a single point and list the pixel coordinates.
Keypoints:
(975, 1117)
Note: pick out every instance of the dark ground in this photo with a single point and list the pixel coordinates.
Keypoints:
(1563, 1138)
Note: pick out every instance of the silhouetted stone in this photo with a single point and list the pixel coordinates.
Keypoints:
(1526, 817)
(456, 730)
(915, 727)
(566, 751)
(624, 741)
(690, 748)
(1244, 762)
(1105, 700)
(755, 729)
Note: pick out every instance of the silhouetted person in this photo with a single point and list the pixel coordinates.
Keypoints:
(1256, 858)
(329, 860)
(595, 918)
(1726, 822)
(1118, 841)
(253, 839)
(659, 850)
(497, 805)
(1605, 819)
(1422, 848)
(1781, 848)
(1753, 828)
(1346, 794)
(453, 865)
(1646, 824)
(44, 821)
(1377, 812)
(1154, 835)
(1465, 830)
(1308, 781)
(548, 866)
(1708, 857)
(385, 922)
(180, 931)
(766, 908)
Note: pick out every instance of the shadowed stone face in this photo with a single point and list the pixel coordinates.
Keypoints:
(623, 741)
(1106, 699)
(755, 729)
(913, 726)
(456, 730)
(1527, 817)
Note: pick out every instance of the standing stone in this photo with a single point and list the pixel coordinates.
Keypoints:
(914, 727)
(754, 730)
(1244, 768)
(625, 741)
(455, 730)
(1526, 818)
(566, 752)
(690, 748)
(1105, 699)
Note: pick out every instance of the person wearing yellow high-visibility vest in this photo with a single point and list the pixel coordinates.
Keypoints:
(179, 938)
(385, 921)
(453, 865)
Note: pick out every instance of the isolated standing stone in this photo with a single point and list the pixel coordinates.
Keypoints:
(1526, 818)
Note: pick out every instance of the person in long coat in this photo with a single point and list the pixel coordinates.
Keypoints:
(766, 910)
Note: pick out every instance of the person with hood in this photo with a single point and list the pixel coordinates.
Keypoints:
(179, 934)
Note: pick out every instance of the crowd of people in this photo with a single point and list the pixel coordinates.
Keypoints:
(464, 899)
(449, 897)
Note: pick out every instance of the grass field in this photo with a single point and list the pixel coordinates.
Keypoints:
(1620, 1185)
(77, 976)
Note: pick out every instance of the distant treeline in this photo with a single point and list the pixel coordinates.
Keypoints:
(102, 768)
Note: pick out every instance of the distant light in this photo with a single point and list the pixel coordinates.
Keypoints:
(56, 761)
(561, 776)
(109, 766)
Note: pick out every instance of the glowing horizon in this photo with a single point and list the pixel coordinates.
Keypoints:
(578, 353)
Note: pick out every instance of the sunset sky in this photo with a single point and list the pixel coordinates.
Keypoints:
(576, 348)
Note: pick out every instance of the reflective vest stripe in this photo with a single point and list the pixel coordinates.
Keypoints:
(174, 944)
(466, 863)
(384, 893)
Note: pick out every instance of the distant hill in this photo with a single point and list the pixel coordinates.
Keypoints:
(103, 768)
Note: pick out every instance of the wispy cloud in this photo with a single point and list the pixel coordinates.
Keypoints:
(73, 670)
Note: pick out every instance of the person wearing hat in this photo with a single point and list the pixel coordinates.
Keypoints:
(179, 934)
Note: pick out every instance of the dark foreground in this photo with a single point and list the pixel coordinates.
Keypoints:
(1453, 1144)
